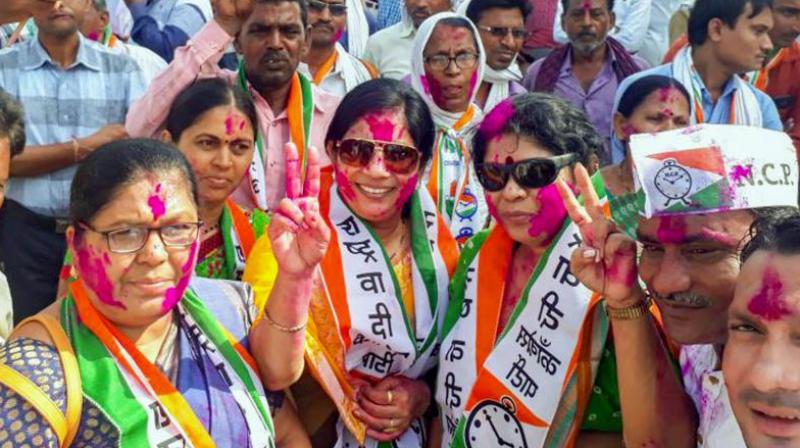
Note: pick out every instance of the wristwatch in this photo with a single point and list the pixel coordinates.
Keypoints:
(631, 312)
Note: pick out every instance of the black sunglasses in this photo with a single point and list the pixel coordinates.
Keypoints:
(336, 9)
(397, 158)
(530, 173)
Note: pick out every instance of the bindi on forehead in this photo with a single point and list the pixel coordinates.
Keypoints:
(672, 230)
(156, 202)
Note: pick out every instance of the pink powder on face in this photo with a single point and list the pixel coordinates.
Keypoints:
(671, 230)
(720, 237)
(229, 125)
(665, 94)
(381, 127)
(436, 92)
(767, 302)
(175, 294)
(345, 187)
(408, 189)
(156, 203)
(740, 172)
(241, 125)
(667, 113)
(547, 221)
(337, 36)
(628, 130)
(492, 209)
(494, 123)
(472, 81)
(93, 273)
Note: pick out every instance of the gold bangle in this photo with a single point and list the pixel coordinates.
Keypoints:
(281, 328)
(631, 312)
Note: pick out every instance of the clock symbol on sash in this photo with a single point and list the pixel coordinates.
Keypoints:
(494, 423)
(674, 182)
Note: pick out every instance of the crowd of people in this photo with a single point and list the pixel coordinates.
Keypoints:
(402, 223)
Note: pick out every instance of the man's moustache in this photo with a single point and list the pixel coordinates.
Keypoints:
(686, 299)
(776, 399)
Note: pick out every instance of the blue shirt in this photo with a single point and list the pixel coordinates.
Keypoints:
(389, 12)
(165, 25)
(62, 104)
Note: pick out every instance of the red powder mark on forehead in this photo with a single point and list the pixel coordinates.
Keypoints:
(672, 230)
(156, 203)
(767, 302)
(229, 125)
(509, 160)
(587, 5)
(665, 94)
(494, 123)
(740, 172)
(381, 127)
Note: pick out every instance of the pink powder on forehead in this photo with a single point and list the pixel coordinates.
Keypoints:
(408, 189)
(767, 302)
(665, 94)
(495, 122)
(156, 203)
(229, 125)
(175, 294)
(547, 221)
(381, 127)
(671, 230)
(345, 187)
(93, 273)
(667, 112)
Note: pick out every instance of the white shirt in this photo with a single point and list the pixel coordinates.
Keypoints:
(150, 63)
(6, 310)
(633, 19)
(705, 383)
(344, 76)
(121, 18)
(656, 43)
(389, 50)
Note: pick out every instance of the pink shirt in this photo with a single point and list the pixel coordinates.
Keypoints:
(199, 59)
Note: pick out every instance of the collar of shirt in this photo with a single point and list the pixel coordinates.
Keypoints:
(405, 31)
(32, 55)
(566, 67)
(321, 103)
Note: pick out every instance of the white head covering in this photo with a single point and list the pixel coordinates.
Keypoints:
(357, 28)
(420, 83)
(499, 79)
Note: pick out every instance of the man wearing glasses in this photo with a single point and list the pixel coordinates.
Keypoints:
(327, 63)
(501, 24)
(389, 50)
(587, 70)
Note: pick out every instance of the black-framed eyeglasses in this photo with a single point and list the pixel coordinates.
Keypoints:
(397, 158)
(530, 173)
(336, 9)
(127, 240)
(503, 31)
(465, 61)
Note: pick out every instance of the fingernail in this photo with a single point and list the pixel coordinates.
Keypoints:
(590, 253)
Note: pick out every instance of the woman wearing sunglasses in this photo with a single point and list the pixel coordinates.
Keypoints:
(523, 339)
(139, 353)
(447, 71)
(647, 104)
(379, 297)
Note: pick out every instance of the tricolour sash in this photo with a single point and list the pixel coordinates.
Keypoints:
(359, 324)
(138, 398)
(300, 111)
(449, 181)
(238, 237)
(494, 390)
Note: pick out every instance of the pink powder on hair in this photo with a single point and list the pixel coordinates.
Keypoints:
(156, 203)
(494, 123)
(671, 230)
(740, 172)
(93, 273)
(175, 294)
(408, 189)
(551, 214)
(345, 187)
(767, 302)
(381, 127)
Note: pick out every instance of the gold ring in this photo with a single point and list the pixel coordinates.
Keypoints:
(390, 397)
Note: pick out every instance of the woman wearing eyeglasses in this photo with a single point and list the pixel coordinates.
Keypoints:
(379, 297)
(523, 359)
(447, 71)
(139, 353)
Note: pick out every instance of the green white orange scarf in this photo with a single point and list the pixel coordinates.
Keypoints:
(372, 337)
(300, 110)
(539, 365)
(137, 397)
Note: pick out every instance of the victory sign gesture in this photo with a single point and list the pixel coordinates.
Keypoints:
(606, 260)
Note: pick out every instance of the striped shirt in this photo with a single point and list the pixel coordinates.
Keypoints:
(60, 105)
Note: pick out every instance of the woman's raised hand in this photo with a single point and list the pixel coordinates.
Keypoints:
(299, 235)
(606, 261)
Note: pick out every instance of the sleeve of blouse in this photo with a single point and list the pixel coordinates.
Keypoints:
(20, 423)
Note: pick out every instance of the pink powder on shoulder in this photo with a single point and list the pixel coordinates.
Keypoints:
(671, 230)
(551, 214)
(93, 273)
(156, 203)
(175, 294)
(381, 127)
(407, 190)
(345, 187)
(767, 302)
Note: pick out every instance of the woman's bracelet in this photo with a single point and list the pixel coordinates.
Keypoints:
(281, 328)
